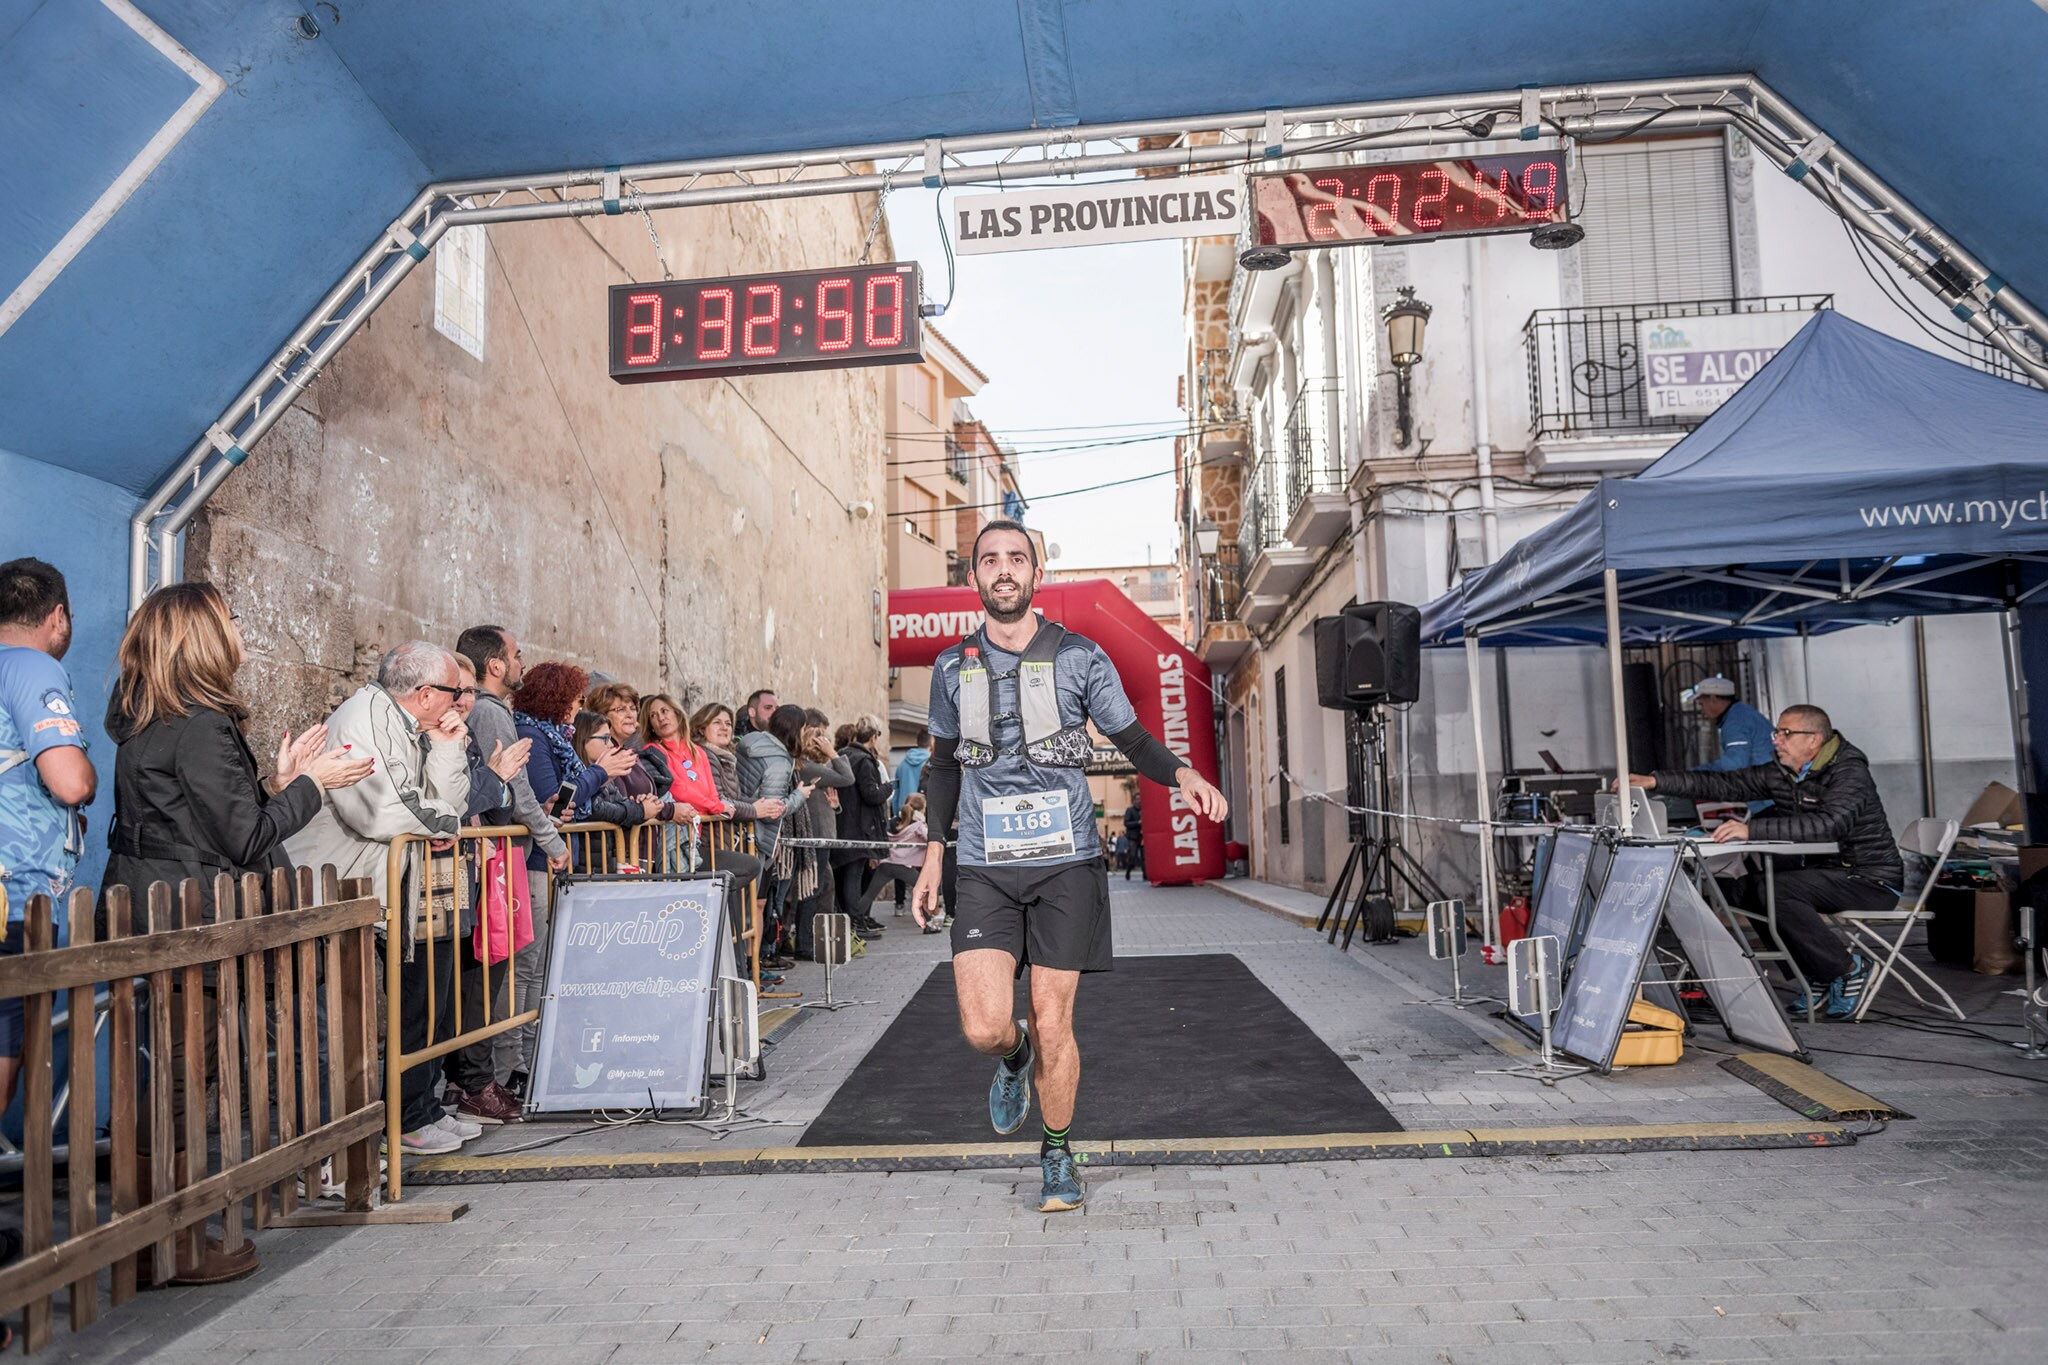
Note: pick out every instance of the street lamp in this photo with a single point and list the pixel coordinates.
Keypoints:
(1208, 535)
(1406, 320)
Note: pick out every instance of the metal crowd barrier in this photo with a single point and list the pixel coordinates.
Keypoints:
(451, 877)
(674, 848)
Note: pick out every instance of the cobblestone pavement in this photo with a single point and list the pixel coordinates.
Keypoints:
(1921, 1243)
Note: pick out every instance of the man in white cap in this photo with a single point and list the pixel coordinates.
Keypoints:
(1745, 732)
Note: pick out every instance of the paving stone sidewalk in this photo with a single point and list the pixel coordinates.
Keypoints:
(1921, 1243)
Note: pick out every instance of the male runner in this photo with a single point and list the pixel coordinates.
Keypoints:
(1009, 715)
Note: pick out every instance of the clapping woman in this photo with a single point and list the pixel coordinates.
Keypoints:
(188, 798)
(189, 801)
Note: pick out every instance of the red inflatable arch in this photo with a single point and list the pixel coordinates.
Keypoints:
(1168, 687)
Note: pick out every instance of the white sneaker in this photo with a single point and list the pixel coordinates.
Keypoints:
(430, 1140)
(462, 1130)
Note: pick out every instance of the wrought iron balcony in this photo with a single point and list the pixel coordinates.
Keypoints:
(1311, 465)
(959, 458)
(1586, 368)
(1265, 510)
(1222, 586)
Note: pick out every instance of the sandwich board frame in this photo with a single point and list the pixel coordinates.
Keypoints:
(631, 993)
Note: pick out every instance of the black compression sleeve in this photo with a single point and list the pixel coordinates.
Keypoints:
(940, 783)
(1152, 759)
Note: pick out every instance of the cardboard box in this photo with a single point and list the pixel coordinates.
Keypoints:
(1997, 805)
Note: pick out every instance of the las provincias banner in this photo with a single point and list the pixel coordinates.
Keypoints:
(1168, 687)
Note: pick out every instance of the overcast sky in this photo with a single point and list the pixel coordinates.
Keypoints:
(1086, 338)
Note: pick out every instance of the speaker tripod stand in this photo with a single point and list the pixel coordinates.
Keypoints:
(1378, 860)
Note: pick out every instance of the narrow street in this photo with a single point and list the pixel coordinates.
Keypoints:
(1917, 1243)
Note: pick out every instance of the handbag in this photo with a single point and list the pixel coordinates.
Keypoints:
(506, 924)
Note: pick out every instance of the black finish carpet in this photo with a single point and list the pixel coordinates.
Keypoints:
(1171, 1047)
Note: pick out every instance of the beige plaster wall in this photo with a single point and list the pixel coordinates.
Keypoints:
(690, 536)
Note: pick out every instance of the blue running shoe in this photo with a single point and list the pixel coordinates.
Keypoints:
(1009, 1094)
(1062, 1190)
(1844, 992)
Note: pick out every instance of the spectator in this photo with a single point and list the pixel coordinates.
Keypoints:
(910, 772)
(695, 784)
(905, 858)
(863, 818)
(768, 777)
(45, 775)
(407, 723)
(1134, 830)
(820, 763)
(546, 702)
(188, 802)
(713, 724)
(602, 792)
(620, 707)
(474, 1090)
(187, 799)
(759, 710)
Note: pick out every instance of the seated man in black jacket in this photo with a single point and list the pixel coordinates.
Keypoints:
(1821, 790)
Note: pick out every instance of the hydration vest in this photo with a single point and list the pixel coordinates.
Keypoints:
(1046, 741)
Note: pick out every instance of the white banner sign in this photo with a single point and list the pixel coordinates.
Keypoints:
(1094, 215)
(1693, 365)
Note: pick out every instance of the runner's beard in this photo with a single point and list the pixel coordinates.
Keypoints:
(1011, 614)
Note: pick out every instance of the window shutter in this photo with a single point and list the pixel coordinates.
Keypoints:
(1656, 220)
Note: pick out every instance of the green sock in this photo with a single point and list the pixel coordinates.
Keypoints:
(1055, 1139)
(1019, 1057)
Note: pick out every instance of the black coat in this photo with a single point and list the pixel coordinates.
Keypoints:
(188, 802)
(863, 807)
(1836, 800)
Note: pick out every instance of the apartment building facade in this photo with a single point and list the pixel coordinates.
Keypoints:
(1310, 480)
(946, 476)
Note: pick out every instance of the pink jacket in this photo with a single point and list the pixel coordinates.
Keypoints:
(907, 845)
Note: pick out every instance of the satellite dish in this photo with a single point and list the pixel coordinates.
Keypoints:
(1052, 551)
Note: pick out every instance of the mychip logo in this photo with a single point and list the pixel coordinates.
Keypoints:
(677, 932)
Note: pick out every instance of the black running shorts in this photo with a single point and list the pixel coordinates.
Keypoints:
(1055, 916)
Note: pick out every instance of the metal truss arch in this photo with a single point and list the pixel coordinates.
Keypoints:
(2004, 321)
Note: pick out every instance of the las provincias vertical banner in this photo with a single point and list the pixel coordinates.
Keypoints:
(1168, 686)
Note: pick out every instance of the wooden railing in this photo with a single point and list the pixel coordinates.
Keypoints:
(217, 1072)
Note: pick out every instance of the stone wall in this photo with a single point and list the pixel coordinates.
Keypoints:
(691, 537)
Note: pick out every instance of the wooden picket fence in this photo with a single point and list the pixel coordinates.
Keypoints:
(215, 1116)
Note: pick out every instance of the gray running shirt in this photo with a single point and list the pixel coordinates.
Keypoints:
(1089, 690)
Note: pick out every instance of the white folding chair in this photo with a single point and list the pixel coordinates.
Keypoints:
(1931, 840)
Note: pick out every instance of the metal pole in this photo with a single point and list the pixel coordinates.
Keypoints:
(1926, 718)
(2022, 715)
(1625, 811)
(1489, 912)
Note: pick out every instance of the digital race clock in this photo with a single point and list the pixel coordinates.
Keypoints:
(755, 324)
(1409, 200)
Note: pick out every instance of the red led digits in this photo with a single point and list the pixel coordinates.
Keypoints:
(830, 318)
(1385, 221)
(709, 322)
(1484, 194)
(763, 330)
(891, 284)
(1542, 193)
(647, 333)
(1327, 227)
(1426, 205)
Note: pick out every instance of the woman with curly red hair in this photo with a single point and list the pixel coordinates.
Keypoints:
(542, 709)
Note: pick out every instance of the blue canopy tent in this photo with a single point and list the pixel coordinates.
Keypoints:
(1874, 480)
